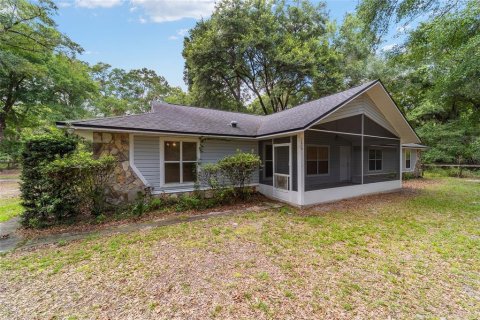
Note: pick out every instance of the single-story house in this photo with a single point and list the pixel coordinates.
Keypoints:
(347, 144)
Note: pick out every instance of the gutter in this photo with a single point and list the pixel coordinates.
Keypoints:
(63, 124)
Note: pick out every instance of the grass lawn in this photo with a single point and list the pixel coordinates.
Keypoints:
(9, 208)
(410, 255)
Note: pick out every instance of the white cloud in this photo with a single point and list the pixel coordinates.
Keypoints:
(97, 3)
(179, 34)
(168, 10)
(182, 32)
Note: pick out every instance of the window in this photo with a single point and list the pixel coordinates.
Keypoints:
(180, 161)
(268, 161)
(408, 159)
(317, 160)
(374, 160)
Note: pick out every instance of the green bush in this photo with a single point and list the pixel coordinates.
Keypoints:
(59, 181)
(210, 175)
(37, 152)
(81, 180)
(189, 202)
(408, 176)
(232, 173)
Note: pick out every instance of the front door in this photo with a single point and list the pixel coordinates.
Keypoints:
(281, 169)
(345, 158)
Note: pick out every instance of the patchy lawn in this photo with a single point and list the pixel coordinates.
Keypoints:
(9, 208)
(414, 254)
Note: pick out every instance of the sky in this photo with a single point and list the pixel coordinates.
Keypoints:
(131, 34)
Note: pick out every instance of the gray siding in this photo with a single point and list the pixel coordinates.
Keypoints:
(362, 104)
(146, 154)
(212, 150)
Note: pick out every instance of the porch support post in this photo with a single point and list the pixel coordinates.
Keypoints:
(361, 148)
(401, 162)
(300, 168)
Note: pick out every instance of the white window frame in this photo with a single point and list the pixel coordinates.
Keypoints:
(409, 159)
(375, 159)
(328, 159)
(163, 162)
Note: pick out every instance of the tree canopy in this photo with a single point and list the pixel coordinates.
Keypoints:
(268, 51)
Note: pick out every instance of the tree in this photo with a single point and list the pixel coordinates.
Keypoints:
(128, 92)
(265, 51)
(378, 15)
(438, 84)
(358, 61)
(28, 40)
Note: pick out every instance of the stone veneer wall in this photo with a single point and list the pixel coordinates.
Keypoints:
(125, 183)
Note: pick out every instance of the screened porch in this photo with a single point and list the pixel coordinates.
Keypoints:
(350, 151)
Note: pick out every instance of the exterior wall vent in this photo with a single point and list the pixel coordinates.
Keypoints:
(233, 124)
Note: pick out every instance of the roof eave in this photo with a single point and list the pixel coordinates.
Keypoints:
(80, 126)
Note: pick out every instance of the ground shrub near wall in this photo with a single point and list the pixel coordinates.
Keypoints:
(37, 152)
(231, 175)
(80, 179)
(60, 180)
(238, 170)
(226, 182)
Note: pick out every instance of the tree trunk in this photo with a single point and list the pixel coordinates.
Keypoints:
(10, 99)
(3, 126)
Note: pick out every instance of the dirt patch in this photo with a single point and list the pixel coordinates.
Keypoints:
(9, 189)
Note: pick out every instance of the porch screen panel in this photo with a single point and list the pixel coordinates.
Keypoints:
(281, 168)
(282, 159)
(381, 160)
(335, 157)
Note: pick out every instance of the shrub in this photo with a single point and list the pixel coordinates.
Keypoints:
(210, 175)
(81, 180)
(189, 202)
(37, 152)
(238, 170)
(60, 181)
(408, 176)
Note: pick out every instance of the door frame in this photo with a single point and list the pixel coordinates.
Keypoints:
(277, 191)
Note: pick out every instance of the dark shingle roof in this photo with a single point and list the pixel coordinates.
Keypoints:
(170, 118)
